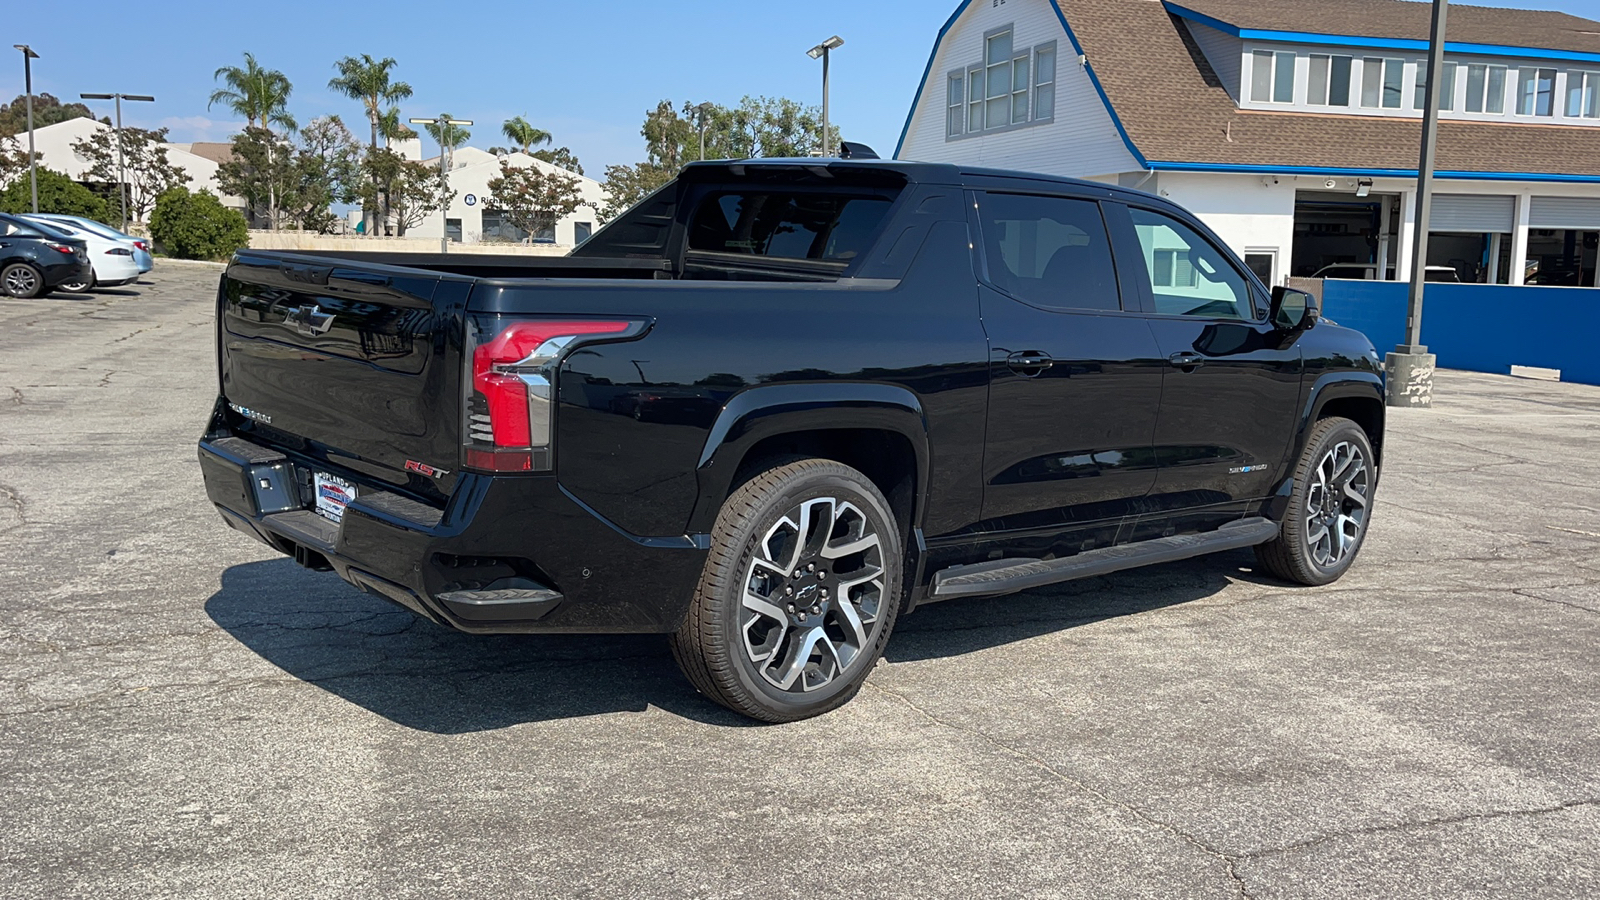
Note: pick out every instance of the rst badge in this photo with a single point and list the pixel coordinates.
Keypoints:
(425, 469)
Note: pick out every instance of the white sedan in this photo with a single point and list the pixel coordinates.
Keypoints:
(111, 260)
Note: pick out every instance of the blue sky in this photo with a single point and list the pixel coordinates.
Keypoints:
(586, 72)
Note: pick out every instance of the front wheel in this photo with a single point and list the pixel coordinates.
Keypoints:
(799, 593)
(1330, 509)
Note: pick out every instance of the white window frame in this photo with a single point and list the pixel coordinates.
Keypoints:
(1021, 101)
(1487, 97)
(1555, 91)
(1586, 82)
(1380, 86)
(1447, 94)
(1325, 61)
(1275, 61)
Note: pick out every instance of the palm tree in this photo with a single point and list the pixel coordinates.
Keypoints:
(367, 79)
(391, 128)
(261, 95)
(448, 136)
(521, 132)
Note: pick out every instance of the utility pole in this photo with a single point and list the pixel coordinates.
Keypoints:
(1409, 369)
(122, 173)
(704, 110)
(821, 50)
(28, 56)
(445, 123)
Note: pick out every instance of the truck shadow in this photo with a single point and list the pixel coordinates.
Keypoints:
(423, 676)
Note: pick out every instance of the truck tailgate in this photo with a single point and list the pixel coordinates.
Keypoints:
(347, 362)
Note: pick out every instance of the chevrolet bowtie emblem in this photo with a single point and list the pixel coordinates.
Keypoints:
(308, 320)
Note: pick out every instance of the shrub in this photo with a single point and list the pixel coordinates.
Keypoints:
(196, 225)
(57, 194)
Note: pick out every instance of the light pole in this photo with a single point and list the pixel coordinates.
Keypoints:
(445, 123)
(122, 175)
(821, 50)
(28, 56)
(1409, 369)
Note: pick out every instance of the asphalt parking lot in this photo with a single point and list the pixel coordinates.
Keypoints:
(183, 713)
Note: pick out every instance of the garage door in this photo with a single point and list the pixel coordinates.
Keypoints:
(1578, 213)
(1473, 213)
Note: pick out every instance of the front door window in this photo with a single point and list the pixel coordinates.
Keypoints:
(1189, 276)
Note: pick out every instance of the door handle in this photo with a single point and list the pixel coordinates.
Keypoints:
(1187, 360)
(1029, 362)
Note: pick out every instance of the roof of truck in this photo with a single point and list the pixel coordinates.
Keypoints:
(917, 172)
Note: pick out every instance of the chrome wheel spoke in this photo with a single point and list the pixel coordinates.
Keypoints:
(1337, 501)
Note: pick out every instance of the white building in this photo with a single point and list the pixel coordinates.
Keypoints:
(1291, 127)
(54, 143)
(472, 217)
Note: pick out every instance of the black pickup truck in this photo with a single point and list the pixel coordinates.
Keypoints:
(781, 402)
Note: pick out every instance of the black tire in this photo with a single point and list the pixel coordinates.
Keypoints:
(78, 287)
(1333, 494)
(721, 643)
(22, 281)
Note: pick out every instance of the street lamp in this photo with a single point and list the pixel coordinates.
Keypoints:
(445, 123)
(122, 175)
(28, 56)
(821, 51)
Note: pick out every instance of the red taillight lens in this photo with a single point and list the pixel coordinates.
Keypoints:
(508, 407)
(141, 245)
(61, 248)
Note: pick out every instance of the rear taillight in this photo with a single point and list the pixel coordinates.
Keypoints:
(141, 245)
(508, 420)
(62, 248)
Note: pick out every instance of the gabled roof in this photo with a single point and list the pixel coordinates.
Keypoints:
(1404, 20)
(1176, 114)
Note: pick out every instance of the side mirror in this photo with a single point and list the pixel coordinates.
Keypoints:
(1292, 310)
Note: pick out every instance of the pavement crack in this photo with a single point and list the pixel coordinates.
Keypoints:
(1422, 823)
(16, 396)
(105, 380)
(1229, 862)
(1524, 592)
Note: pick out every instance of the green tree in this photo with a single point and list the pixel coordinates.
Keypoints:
(13, 160)
(561, 158)
(196, 225)
(326, 170)
(531, 199)
(448, 136)
(57, 194)
(370, 81)
(259, 94)
(144, 160)
(258, 170)
(392, 129)
(47, 110)
(521, 132)
(627, 185)
(413, 188)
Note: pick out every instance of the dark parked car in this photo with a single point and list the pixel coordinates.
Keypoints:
(778, 404)
(35, 258)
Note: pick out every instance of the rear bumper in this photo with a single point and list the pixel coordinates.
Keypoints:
(507, 554)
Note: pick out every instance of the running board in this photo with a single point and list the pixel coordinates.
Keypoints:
(1006, 576)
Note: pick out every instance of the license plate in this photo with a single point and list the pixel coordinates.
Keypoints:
(333, 495)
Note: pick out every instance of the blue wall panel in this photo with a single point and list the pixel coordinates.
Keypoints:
(1480, 327)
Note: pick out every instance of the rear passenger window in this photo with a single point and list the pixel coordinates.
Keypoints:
(1051, 252)
(831, 226)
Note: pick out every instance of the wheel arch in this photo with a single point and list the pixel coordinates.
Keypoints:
(878, 429)
(1357, 396)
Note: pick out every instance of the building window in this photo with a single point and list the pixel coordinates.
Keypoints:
(581, 231)
(496, 229)
(1272, 76)
(956, 104)
(1536, 92)
(1044, 81)
(452, 230)
(1447, 85)
(1008, 88)
(1381, 82)
(1581, 90)
(1330, 81)
(1486, 89)
(997, 56)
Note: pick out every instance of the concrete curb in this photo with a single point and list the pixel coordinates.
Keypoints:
(195, 263)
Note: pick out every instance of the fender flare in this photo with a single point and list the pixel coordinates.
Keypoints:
(754, 415)
(1329, 386)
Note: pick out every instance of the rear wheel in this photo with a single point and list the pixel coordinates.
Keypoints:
(1328, 514)
(77, 287)
(799, 593)
(21, 280)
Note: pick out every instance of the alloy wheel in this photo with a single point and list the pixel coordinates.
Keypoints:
(1337, 504)
(21, 281)
(812, 595)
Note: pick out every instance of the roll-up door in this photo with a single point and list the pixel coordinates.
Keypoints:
(1576, 213)
(1473, 213)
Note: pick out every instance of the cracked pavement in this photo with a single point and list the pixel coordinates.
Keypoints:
(184, 713)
